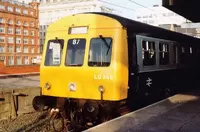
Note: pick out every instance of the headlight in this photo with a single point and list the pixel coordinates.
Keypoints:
(47, 86)
(101, 89)
(72, 87)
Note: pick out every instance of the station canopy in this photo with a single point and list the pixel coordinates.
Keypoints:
(186, 8)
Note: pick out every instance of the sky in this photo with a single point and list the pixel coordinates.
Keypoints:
(128, 8)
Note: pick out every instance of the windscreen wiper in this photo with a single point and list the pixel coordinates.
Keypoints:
(108, 45)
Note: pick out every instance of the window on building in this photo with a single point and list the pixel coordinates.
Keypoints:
(2, 58)
(25, 49)
(10, 40)
(145, 21)
(38, 50)
(25, 41)
(19, 60)
(151, 22)
(17, 10)
(26, 32)
(10, 21)
(164, 53)
(171, 14)
(25, 24)
(25, 12)
(41, 41)
(2, 7)
(10, 8)
(32, 50)
(31, 13)
(18, 49)
(2, 30)
(32, 24)
(2, 49)
(32, 33)
(150, 16)
(2, 39)
(164, 14)
(2, 20)
(10, 49)
(18, 31)
(10, 30)
(145, 16)
(18, 40)
(10, 60)
(26, 60)
(148, 53)
(154, 15)
(32, 41)
(18, 22)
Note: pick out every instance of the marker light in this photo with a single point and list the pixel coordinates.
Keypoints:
(47, 86)
(101, 89)
(72, 87)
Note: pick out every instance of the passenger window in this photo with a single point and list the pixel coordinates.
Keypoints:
(100, 52)
(148, 53)
(75, 52)
(54, 52)
(164, 53)
(175, 57)
(190, 50)
(183, 56)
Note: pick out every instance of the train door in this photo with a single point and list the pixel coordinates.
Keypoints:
(133, 70)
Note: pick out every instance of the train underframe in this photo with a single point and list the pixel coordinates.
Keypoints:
(81, 113)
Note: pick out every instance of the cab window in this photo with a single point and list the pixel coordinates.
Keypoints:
(75, 52)
(100, 52)
(54, 52)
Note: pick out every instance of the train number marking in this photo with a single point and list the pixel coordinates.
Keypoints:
(75, 41)
(149, 82)
(103, 77)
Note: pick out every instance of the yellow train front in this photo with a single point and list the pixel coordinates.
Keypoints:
(85, 66)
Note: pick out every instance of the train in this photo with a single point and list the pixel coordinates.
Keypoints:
(96, 66)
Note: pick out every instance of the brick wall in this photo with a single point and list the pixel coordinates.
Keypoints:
(18, 69)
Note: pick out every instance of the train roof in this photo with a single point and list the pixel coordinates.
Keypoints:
(148, 30)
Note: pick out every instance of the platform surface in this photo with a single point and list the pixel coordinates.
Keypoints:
(179, 113)
(20, 82)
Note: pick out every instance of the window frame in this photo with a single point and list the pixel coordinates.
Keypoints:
(112, 42)
(168, 51)
(83, 56)
(152, 41)
(62, 47)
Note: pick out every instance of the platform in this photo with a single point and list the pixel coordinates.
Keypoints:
(20, 82)
(16, 95)
(3, 76)
(179, 113)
